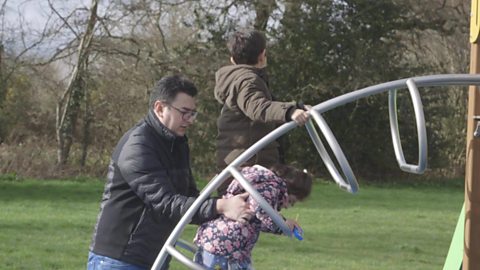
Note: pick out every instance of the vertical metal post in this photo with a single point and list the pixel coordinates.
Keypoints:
(471, 255)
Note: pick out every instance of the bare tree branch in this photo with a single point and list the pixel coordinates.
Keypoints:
(62, 18)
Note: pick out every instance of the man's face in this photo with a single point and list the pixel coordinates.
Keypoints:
(177, 115)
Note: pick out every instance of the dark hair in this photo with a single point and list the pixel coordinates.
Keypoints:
(167, 88)
(245, 46)
(299, 183)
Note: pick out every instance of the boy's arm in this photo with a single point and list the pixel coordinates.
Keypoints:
(258, 107)
(254, 103)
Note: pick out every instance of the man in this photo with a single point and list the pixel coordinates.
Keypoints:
(249, 110)
(150, 185)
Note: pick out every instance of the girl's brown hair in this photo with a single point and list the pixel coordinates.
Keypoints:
(299, 183)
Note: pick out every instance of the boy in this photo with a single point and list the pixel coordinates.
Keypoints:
(249, 110)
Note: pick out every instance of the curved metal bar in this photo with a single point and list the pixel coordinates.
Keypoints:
(186, 245)
(324, 154)
(350, 184)
(421, 130)
(183, 259)
(187, 218)
(424, 81)
(261, 201)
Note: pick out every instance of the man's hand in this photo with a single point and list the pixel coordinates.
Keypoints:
(236, 208)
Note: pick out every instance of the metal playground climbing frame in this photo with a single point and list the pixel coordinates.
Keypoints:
(346, 179)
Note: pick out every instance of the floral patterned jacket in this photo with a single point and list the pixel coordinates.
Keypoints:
(226, 237)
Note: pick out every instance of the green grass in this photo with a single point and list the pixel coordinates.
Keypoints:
(48, 225)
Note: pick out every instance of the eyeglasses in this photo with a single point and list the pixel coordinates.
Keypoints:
(186, 115)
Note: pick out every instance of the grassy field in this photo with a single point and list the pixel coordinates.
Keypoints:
(48, 225)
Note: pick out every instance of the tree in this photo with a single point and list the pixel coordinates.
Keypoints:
(69, 104)
(106, 64)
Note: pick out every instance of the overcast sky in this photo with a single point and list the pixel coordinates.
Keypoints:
(36, 11)
(25, 19)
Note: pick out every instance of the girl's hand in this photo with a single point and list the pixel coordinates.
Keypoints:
(292, 224)
(295, 228)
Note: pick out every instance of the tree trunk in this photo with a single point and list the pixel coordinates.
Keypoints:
(88, 119)
(263, 9)
(2, 83)
(68, 106)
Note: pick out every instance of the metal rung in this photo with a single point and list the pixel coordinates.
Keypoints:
(186, 245)
(350, 184)
(261, 201)
(421, 130)
(183, 259)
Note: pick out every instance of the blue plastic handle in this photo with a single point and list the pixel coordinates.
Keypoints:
(298, 233)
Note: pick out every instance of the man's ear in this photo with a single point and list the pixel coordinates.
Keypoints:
(159, 108)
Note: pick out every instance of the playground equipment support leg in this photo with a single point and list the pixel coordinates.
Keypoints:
(471, 255)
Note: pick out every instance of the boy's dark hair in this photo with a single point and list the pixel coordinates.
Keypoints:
(167, 88)
(246, 45)
(299, 183)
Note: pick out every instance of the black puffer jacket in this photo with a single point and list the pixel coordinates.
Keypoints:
(149, 188)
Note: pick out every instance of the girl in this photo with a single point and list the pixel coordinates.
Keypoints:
(224, 243)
